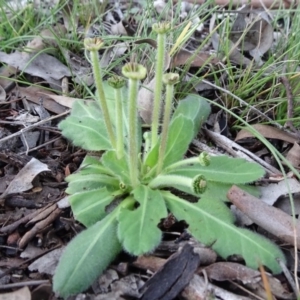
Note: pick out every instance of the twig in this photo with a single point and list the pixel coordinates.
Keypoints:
(23, 283)
(290, 103)
(20, 132)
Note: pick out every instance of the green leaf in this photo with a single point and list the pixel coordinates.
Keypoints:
(85, 127)
(89, 207)
(118, 167)
(137, 230)
(218, 191)
(179, 138)
(92, 165)
(223, 169)
(86, 257)
(195, 108)
(211, 222)
(83, 183)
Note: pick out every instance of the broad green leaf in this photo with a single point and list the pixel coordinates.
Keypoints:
(89, 207)
(218, 190)
(211, 222)
(195, 108)
(92, 165)
(137, 230)
(119, 167)
(85, 126)
(86, 257)
(81, 183)
(179, 138)
(223, 169)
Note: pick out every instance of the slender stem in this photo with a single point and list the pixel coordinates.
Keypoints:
(165, 128)
(133, 137)
(170, 181)
(119, 123)
(161, 40)
(101, 96)
(182, 163)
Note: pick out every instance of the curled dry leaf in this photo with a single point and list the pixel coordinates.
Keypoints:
(45, 39)
(35, 94)
(21, 294)
(62, 100)
(145, 101)
(23, 181)
(268, 217)
(252, 31)
(293, 156)
(2, 94)
(222, 271)
(271, 192)
(43, 65)
(267, 132)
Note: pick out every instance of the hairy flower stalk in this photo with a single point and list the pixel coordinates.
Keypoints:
(94, 45)
(170, 80)
(197, 185)
(134, 72)
(161, 29)
(118, 83)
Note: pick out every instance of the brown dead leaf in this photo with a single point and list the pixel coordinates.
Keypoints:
(185, 57)
(267, 131)
(293, 155)
(222, 271)
(145, 101)
(43, 65)
(21, 294)
(48, 262)
(45, 39)
(35, 94)
(268, 217)
(271, 192)
(62, 100)
(23, 181)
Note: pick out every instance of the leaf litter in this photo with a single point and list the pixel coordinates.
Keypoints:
(51, 159)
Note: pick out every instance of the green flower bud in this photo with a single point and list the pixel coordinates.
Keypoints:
(161, 27)
(134, 71)
(116, 82)
(204, 159)
(170, 78)
(122, 186)
(93, 44)
(199, 184)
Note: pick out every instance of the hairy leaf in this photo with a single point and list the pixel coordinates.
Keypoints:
(137, 230)
(119, 167)
(86, 257)
(211, 222)
(92, 165)
(218, 190)
(85, 127)
(89, 206)
(179, 138)
(84, 183)
(195, 108)
(223, 169)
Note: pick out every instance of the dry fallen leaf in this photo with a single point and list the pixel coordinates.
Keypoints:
(268, 217)
(46, 38)
(23, 180)
(293, 155)
(62, 100)
(267, 131)
(21, 294)
(43, 65)
(48, 262)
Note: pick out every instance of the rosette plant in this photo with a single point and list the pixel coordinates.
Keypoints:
(122, 196)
